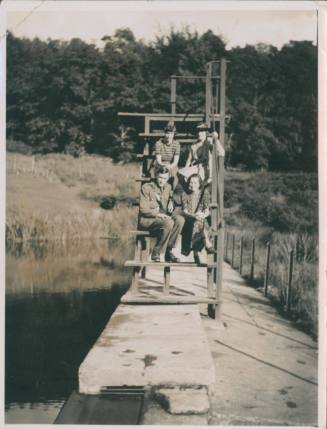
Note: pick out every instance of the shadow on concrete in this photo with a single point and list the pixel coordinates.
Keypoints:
(266, 363)
(271, 331)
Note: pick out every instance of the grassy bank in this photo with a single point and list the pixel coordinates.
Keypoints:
(280, 208)
(58, 197)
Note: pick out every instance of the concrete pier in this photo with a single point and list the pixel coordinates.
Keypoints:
(254, 366)
(149, 345)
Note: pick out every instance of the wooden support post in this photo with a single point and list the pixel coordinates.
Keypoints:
(252, 259)
(210, 281)
(289, 286)
(241, 256)
(173, 95)
(215, 205)
(216, 103)
(220, 237)
(145, 254)
(135, 280)
(138, 249)
(218, 179)
(266, 279)
(145, 163)
(226, 245)
(222, 108)
(208, 105)
(167, 280)
(233, 251)
(147, 125)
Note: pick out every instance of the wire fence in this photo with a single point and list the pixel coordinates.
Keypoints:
(284, 268)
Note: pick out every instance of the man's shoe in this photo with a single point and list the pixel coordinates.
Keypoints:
(170, 257)
(155, 256)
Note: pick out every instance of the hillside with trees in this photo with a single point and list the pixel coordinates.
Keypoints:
(64, 96)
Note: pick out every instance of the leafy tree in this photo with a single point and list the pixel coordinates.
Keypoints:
(65, 96)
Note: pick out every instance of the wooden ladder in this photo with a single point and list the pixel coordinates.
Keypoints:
(214, 85)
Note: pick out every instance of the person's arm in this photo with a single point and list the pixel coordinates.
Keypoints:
(176, 156)
(148, 208)
(220, 149)
(189, 158)
(185, 211)
(204, 211)
(158, 159)
(175, 161)
(158, 152)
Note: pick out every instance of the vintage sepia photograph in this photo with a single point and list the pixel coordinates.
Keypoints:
(161, 262)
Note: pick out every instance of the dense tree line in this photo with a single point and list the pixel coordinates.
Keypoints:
(64, 96)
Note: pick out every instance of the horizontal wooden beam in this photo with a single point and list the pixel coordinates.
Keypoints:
(144, 233)
(143, 179)
(192, 77)
(185, 118)
(164, 115)
(187, 140)
(166, 299)
(164, 264)
(161, 134)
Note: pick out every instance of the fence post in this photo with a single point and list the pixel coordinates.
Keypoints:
(266, 280)
(226, 245)
(241, 256)
(252, 259)
(289, 286)
(233, 251)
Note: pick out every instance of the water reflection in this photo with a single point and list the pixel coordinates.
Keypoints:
(58, 299)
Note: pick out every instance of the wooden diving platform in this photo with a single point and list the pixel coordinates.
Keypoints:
(172, 283)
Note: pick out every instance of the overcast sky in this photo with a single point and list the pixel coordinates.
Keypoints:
(238, 27)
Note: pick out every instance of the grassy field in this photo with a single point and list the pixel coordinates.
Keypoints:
(58, 197)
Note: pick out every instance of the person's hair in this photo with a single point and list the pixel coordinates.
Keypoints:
(161, 169)
(170, 127)
(192, 176)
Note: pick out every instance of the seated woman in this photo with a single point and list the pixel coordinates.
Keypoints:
(195, 209)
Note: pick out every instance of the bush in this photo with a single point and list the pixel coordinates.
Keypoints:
(18, 147)
(284, 202)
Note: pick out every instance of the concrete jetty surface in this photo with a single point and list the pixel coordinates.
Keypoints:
(266, 369)
(253, 366)
(149, 345)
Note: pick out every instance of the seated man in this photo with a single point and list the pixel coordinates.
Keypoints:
(156, 216)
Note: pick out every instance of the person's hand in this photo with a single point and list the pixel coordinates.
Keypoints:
(162, 216)
(199, 216)
(170, 207)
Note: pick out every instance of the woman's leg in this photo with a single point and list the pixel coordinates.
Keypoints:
(187, 237)
(198, 239)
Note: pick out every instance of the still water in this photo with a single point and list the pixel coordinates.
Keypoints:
(58, 300)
